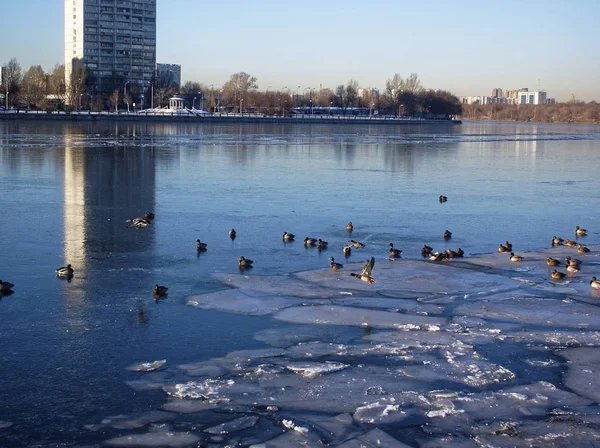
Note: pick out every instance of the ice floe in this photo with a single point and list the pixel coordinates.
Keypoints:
(148, 366)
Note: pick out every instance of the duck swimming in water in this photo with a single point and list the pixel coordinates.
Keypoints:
(367, 271)
(582, 249)
(244, 263)
(65, 271)
(447, 234)
(322, 244)
(6, 286)
(580, 232)
(333, 265)
(200, 246)
(552, 261)
(347, 250)
(426, 250)
(595, 283)
(310, 241)
(443, 198)
(232, 234)
(556, 275)
(160, 290)
(556, 241)
(139, 223)
(394, 253)
(516, 258)
(287, 237)
(349, 227)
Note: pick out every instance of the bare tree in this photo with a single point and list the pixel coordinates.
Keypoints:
(351, 93)
(114, 99)
(392, 90)
(13, 76)
(34, 86)
(238, 86)
(77, 83)
(56, 82)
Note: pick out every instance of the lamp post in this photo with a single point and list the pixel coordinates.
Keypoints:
(297, 96)
(80, 95)
(142, 103)
(241, 110)
(267, 98)
(201, 100)
(194, 103)
(212, 97)
(125, 94)
(151, 94)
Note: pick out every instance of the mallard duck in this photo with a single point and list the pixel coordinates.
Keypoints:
(160, 290)
(288, 236)
(460, 253)
(573, 268)
(347, 250)
(556, 241)
(149, 216)
(322, 244)
(394, 253)
(244, 263)
(426, 250)
(349, 227)
(450, 253)
(508, 246)
(200, 246)
(558, 275)
(580, 232)
(570, 243)
(6, 286)
(438, 256)
(139, 223)
(310, 241)
(443, 198)
(503, 248)
(357, 244)
(552, 261)
(65, 271)
(572, 261)
(516, 258)
(582, 249)
(595, 283)
(447, 235)
(367, 271)
(232, 234)
(333, 265)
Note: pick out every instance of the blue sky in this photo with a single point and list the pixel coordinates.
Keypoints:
(468, 47)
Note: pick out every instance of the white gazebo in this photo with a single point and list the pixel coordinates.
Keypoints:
(175, 103)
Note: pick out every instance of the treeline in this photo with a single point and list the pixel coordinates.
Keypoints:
(571, 112)
(36, 89)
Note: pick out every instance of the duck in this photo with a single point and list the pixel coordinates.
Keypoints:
(595, 283)
(556, 275)
(582, 249)
(443, 198)
(460, 253)
(333, 265)
(438, 256)
(200, 246)
(503, 248)
(552, 261)
(288, 236)
(349, 227)
(357, 244)
(160, 290)
(65, 271)
(149, 216)
(572, 261)
(450, 253)
(508, 246)
(244, 263)
(556, 241)
(447, 235)
(426, 250)
(570, 243)
(310, 241)
(394, 253)
(6, 286)
(347, 250)
(572, 268)
(232, 234)
(367, 272)
(516, 258)
(139, 223)
(580, 232)
(322, 244)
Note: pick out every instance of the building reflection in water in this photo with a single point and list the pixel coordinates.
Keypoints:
(104, 185)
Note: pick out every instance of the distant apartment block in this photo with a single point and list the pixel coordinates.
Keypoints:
(497, 93)
(168, 75)
(521, 96)
(527, 97)
(368, 94)
(114, 39)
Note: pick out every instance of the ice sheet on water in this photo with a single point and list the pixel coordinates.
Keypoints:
(290, 335)
(135, 421)
(236, 301)
(374, 438)
(399, 304)
(187, 406)
(280, 285)
(315, 369)
(583, 367)
(234, 425)
(159, 439)
(556, 338)
(333, 429)
(5, 424)
(341, 315)
(148, 366)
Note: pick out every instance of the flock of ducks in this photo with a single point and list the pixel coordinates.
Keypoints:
(572, 265)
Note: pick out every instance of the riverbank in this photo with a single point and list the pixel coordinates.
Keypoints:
(207, 118)
(572, 112)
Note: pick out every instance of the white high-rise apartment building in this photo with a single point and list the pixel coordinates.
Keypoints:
(115, 40)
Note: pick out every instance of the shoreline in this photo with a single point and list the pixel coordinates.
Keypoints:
(106, 117)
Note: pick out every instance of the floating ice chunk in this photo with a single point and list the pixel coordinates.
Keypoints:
(289, 424)
(379, 413)
(166, 439)
(5, 424)
(582, 376)
(139, 421)
(187, 406)
(314, 369)
(340, 315)
(148, 366)
(339, 427)
(292, 439)
(374, 438)
(426, 340)
(557, 338)
(204, 390)
(291, 335)
(243, 302)
(400, 304)
(234, 425)
(257, 353)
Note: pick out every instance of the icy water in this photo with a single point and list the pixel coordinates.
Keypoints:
(474, 352)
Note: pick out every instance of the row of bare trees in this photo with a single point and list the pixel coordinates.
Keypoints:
(571, 112)
(38, 89)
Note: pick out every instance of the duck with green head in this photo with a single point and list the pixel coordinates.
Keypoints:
(595, 283)
(244, 263)
(394, 253)
(333, 265)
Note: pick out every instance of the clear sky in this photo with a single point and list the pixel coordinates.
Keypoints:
(465, 46)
